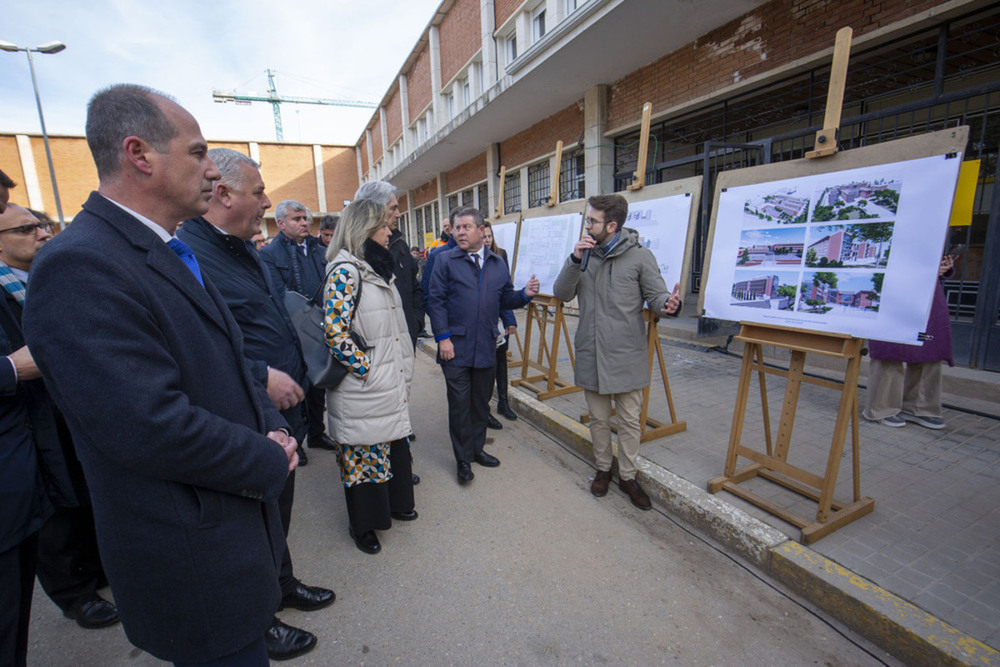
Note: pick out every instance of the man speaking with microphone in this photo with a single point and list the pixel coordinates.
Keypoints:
(613, 275)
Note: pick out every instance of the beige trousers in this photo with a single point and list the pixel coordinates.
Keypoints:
(627, 407)
(915, 389)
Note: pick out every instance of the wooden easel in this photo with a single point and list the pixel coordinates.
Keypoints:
(773, 464)
(543, 311)
(503, 178)
(649, 428)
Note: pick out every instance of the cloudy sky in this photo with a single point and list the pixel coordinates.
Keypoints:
(336, 49)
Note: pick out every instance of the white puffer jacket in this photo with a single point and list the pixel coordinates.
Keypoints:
(376, 409)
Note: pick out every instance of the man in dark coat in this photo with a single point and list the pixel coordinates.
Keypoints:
(221, 241)
(33, 473)
(297, 262)
(469, 286)
(185, 454)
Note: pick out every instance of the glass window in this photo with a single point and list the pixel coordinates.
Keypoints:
(512, 192)
(539, 184)
(538, 23)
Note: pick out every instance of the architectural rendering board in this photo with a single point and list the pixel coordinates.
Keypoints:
(544, 242)
(505, 235)
(835, 244)
(664, 215)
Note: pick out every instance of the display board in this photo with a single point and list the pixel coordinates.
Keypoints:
(848, 244)
(664, 215)
(545, 239)
(505, 235)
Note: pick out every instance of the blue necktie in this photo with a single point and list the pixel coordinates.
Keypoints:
(183, 250)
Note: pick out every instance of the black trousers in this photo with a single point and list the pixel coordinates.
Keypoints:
(502, 369)
(315, 404)
(69, 565)
(469, 391)
(17, 584)
(285, 576)
(369, 505)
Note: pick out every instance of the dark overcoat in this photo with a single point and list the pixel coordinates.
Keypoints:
(147, 367)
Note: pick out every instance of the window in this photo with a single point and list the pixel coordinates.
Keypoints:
(510, 47)
(452, 203)
(466, 92)
(512, 192)
(421, 129)
(418, 216)
(571, 6)
(450, 102)
(467, 197)
(539, 184)
(538, 23)
(572, 176)
(483, 193)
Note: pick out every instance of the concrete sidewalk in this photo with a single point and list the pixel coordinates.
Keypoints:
(919, 576)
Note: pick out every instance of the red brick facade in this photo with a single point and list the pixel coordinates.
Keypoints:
(393, 117)
(766, 38)
(418, 84)
(376, 128)
(289, 174)
(504, 9)
(460, 37)
(467, 173)
(540, 138)
(340, 175)
(425, 194)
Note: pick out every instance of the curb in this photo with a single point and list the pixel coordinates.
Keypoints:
(887, 620)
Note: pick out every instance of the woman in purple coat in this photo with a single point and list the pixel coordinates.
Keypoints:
(897, 395)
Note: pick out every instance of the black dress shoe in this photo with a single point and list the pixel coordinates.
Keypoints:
(92, 613)
(285, 642)
(411, 437)
(404, 516)
(503, 408)
(307, 598)
(322, 441)
(303, 459)
(492, 422)
(465, 474)
(416, 479)
(486, 460)
(367, 542)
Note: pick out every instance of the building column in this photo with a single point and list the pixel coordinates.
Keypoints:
(492, 169)
(404, 112)
(384, 127)
(599, 158)
(487, 14)
(434, 44)
(320, 180)
(32, 186)
(368, 145)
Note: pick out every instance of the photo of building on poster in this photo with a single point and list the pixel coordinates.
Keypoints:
(852, 294)
(862, 245)
(771, 247)
(858, 200)
(784, 206)
(771, 290)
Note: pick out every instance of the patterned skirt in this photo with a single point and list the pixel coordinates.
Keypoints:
(364, 463)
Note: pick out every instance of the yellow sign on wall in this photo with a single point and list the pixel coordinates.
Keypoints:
(965, 194)
(428, 239)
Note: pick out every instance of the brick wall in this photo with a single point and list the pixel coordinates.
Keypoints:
(404, 204)
(770, 36)
(540, 138)
(418, 84)
(376, 128)
(393, 119)
(425, 194)
(340, 175)
(363, 152)
(460, 37)
(289, 174)
(467, 173)
(504, 9)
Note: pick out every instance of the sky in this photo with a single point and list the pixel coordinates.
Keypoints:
(335, 49)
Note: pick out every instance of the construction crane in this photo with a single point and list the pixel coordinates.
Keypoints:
(276, 100)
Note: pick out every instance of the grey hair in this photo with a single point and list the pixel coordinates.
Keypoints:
(358, 222)
(463, 211)
(125, 110)
(329, 222)
(282, 209)
(229, 163)
(378, 191)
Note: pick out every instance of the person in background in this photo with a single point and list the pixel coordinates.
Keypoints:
(369, 410)
(508, 325)
(327, 226)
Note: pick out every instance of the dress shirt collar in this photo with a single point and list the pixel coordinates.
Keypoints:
(21, 274)
(160, 231)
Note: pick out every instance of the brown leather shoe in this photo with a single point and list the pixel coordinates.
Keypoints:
(635, 492)
(599, 487)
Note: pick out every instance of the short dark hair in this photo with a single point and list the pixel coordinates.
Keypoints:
(6, 181)
(125, 110)
(614, 207)
(463, 211)
(329, 222)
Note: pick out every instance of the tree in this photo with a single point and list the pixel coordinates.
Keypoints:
(875, 232)
(877, 279)
(786, 290)
(744, 258)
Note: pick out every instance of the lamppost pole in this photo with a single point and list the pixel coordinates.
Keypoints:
(51, 47)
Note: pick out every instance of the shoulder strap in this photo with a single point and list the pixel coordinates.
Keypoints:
(319, 290)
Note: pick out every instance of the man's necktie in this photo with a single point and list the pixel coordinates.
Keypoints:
(183, 250)
(475, 257)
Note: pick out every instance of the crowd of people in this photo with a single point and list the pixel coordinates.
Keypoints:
(155, 404)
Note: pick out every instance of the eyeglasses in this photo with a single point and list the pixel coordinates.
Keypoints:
(590, 222)
(25, 230)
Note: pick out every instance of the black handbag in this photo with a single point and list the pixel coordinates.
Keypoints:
(324, 370)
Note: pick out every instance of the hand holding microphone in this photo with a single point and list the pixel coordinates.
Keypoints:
(582, 250)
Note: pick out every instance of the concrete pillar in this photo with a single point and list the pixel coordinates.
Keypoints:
(383, 124)
(368, 145)
(492, 169)
(320, 180)
(404, 110)
(488, 22)
(31, 184)
(434, 44)
(357, 157)
(599, 156)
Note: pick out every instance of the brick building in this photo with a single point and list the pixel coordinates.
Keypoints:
(321, 177)
(733, 83)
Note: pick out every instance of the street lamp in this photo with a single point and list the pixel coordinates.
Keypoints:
(48, 47)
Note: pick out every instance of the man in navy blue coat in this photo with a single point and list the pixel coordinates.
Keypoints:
(184, 453)
(469, 285)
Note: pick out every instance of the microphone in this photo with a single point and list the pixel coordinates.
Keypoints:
(584, 258)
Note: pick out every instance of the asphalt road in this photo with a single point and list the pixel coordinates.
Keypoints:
(521, 567)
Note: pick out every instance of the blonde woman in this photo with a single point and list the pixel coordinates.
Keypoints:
(368, 412)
